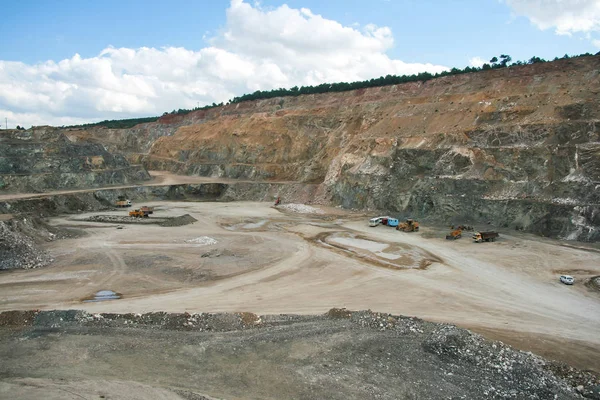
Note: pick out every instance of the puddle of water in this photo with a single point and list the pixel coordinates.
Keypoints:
(255, 225)
(408, 257)
(103, 295)
(374, 247)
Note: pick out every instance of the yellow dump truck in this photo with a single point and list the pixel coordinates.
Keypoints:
(146, 209)
(122, 201)
(479, 237)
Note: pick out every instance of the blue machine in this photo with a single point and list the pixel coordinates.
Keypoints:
(392, 222)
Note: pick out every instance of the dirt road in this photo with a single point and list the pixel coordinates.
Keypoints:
(270, 262)
(159, 178)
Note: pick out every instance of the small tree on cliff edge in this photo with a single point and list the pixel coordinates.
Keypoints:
(505, 59)
(502, 63)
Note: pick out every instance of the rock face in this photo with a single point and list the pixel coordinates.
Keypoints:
(43, 158)
(518, 147)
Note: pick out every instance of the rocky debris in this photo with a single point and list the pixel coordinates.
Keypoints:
(425, 356)
(18, 318)
(153, 320)
(585, 382)
(517, 369)
(18, 249)
(126, 219)
(594, 283)
(202, 240)
(122, 219)
(301, 208)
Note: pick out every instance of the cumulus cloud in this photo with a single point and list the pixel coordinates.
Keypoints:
(476, 62)
(565, 16)
(256, 50)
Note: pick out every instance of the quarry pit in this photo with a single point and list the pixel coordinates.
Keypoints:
(221, 295)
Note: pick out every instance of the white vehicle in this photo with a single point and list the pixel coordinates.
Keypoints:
(378, 220)
(567, 279)
(375, 221)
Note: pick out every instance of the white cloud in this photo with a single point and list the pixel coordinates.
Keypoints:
(27, 119)
(565, 16)
(257, 50)
(596, 42)
(476, 62)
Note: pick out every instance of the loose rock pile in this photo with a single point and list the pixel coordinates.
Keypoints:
(122, 219)
(202, 240)
(18, 250)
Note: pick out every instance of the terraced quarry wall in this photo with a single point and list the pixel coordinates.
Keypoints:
(43, 158)
(518, 147)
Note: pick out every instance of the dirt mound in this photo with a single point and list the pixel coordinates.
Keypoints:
(161, 221)
(340, 355)
(179, 221)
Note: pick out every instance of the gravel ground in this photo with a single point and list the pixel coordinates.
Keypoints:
(339, 355)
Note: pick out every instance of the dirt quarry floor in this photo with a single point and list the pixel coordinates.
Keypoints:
(249, 256)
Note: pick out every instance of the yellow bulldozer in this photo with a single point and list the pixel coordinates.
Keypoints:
(455, 234)
(409, 225)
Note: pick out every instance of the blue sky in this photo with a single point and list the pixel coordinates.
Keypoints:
(433, 31)
(203, 51)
